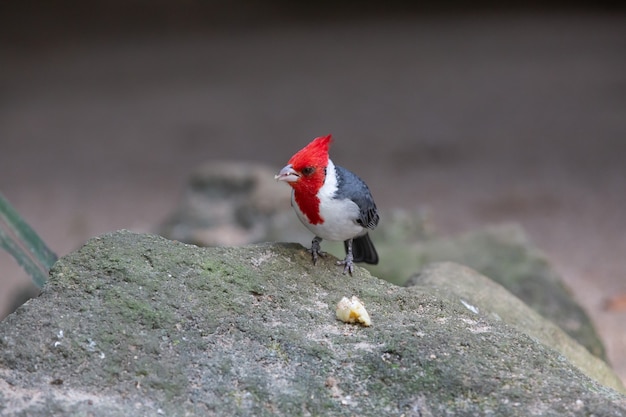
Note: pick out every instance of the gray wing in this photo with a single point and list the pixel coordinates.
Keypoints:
(350, 186)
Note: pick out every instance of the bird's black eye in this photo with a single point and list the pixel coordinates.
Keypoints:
(306, 171)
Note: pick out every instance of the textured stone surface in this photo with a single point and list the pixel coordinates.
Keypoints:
(484, 296)
(504, 254)
(138, 325)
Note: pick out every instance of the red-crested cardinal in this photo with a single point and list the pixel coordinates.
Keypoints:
(331, 202)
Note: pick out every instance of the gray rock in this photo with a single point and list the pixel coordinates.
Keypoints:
(504, 254)
(486, 297)
(138, 325)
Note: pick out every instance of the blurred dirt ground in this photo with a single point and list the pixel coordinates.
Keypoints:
(477, 118)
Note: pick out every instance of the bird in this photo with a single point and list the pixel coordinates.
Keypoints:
(332, 202)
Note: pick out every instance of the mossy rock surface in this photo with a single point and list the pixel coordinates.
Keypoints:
(138, 325)
(504, 254)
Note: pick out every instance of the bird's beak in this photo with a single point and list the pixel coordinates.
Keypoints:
(287, 174)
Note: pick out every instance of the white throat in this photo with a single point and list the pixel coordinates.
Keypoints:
(329, 187)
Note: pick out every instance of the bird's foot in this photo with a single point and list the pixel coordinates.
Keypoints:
(316, 250)
(316, 254)
(348, 265)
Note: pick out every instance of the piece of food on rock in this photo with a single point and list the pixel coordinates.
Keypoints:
(352, 311)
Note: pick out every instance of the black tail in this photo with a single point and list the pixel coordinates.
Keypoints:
(363, 250)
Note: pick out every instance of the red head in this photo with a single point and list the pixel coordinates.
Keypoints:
(315, 154)
(306, 172)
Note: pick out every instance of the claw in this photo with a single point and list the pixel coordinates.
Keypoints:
(316, 250)
(348, 266)
(348, 261)
(316, 254)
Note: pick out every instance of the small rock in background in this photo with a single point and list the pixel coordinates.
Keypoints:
(233, 203)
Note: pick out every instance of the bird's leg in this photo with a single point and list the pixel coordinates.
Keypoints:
(347, 262)
(316, 250)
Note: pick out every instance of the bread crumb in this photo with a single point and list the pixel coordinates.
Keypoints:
(352, 311)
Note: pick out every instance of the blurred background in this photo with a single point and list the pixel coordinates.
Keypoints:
(479, 115)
